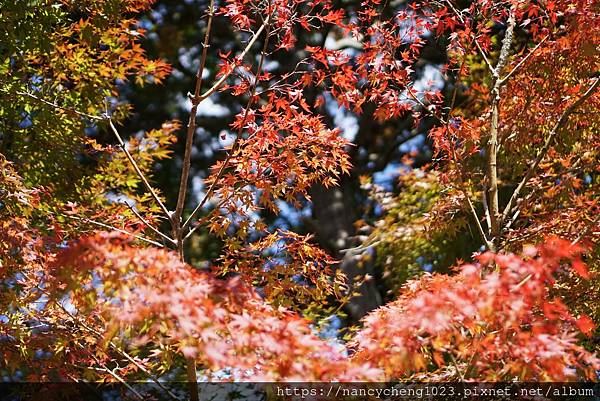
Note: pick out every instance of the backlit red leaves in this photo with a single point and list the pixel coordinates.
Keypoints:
(493, 325)
(223, 324)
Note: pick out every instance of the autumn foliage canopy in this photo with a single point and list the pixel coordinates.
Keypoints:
(97, 277)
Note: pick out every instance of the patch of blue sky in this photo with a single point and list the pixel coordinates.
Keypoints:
(27, 121)
(198, 189)
(91, 130)
(114, 197)
(208, 108)
(430, 79)
(421, 261)
(158, 12)
(146, 24)
(34, 83)
(190, 60)
(387, 177)
(413, 144)
(271, 65)
(331, 328)
(291, 216)
(342, 118)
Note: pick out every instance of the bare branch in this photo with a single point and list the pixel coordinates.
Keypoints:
(465, 193)
(486, 209)
(523, 60)
(484, 56)
(492, 145)
(487, 242)
(109, 227)
(121, 380)
(115, 132)
(237, 138)
(117, 135)
(150, 226)
(424, 107)
(587, 230)
(57, 106)
(479, 48)
(191, 128)
(185, 173)
(220, 82)
(137, 169)
(521, 283)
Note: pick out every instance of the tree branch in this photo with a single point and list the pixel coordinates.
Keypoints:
(137, 169)
(115, 132)
(484, 56)
(150, 226)
(492, 146)
(424, 107)
(523, 60)
(462, 20)
(191, 128)
(238, 135)
(587, 230)
(486, 209)
(544, 150)
(217, 84)
(487, 242)
(185, 174)
(107, 226)
(57, 106)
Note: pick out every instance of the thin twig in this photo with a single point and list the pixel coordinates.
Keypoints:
(150, 226)
(523, 60)
(521, 283)
(115, 132)
(424, 107)
(137, 170)
(512, 220)
(206, 217)
(241, 56)
(238, 135)
(57, 106)
(487, 61)
(487, 242)
(479, 48)
(482, 233)
(486, 208)
(458, 370)
(107, 226)
(360, 247)
(456, 85)
(586, 231)
(191, 128)
(121, 380)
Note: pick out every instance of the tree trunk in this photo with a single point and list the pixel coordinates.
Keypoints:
(334, 212)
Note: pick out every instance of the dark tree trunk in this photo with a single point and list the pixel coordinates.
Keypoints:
(334, 212)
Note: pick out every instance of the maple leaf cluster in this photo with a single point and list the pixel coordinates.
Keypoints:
(100, 305)
(493, 321)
